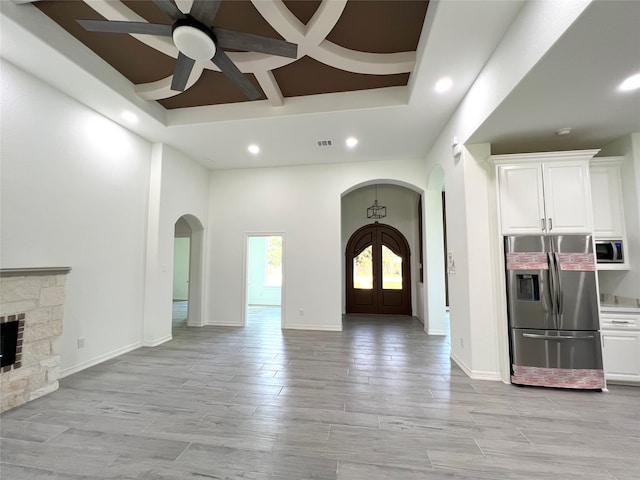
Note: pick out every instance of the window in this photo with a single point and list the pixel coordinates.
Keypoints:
(273, 253)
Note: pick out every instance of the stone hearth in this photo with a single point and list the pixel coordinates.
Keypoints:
(36, 297)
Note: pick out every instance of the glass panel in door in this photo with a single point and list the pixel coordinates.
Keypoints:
(363, 269)
(391, 270)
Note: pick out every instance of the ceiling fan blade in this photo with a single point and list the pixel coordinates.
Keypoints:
(168, 7)
(255, 43)
(184, 65)
(205, 10)
(114, 26)
(232, 72)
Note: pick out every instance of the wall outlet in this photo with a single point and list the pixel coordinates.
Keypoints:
(462, 342)
(302, 312)
(451, 263)
(81, 342)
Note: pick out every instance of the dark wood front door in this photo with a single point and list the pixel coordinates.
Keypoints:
(378, 271)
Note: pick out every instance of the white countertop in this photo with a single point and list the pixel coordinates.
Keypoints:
(608, 308)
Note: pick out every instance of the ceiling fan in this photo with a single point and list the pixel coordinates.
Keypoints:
(195, 40)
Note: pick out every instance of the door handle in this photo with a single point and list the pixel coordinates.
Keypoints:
(550, 224)
(623, 322)
(560, 293)
(542, 225)
(552, 337)
(552, 289)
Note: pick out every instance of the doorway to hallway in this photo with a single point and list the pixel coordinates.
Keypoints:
(181, 272)
(378, 276)
(264, 280)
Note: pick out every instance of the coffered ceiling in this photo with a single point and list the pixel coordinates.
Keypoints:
(342, 47)
(365, 68)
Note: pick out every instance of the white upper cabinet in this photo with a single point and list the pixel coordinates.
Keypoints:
(521, 198)
(545, 193)
(606, 194)
(567, 197)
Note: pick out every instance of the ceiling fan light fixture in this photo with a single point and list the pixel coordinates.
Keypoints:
(194, 42)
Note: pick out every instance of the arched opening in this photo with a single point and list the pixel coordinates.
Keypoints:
(378, 274)
(187, 272)
(402, 201)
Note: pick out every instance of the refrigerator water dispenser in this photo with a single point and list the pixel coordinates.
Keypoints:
(528, 288)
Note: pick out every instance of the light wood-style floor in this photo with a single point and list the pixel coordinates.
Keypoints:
(380, 400)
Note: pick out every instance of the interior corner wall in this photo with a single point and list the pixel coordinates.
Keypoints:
(534, 31)
(178, 186)
(304, 203)
(74, 193)
(626, 283)
(434, 271)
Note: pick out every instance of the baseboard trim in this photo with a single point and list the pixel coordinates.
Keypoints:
(326, 328)
(436, 332)
(484, 375)
(99, 359)
(475, 374)
(209, 324)
(160, 341)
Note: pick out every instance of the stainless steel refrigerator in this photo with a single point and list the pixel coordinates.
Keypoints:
(553, 311)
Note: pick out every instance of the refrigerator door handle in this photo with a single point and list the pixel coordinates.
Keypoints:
(559, 287)
(552, 288)
(554, 337)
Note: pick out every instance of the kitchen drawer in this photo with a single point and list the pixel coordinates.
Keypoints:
(619, 321)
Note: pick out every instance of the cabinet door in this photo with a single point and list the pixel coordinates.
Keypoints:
(521, 199)
(606, 194)
(567, 195)
(621, 355)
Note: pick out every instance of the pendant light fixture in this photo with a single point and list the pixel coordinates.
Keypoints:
(376, 211)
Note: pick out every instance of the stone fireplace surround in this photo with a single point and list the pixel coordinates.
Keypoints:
(36, 297)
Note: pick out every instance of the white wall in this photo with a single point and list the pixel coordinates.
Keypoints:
(304, 203)
(74, 193)
(476, 290)
(402, 214)
(626, 283)
(178, 187)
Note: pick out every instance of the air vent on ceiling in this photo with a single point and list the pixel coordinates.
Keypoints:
(324, 143)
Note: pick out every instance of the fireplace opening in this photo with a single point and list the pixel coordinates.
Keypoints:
(8, 342)
(11, 331)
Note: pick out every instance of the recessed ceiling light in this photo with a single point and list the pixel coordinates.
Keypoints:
(563, 131)
(443, 85)
(631, 83)
(130, 116)
(254, 149)
(351, 142)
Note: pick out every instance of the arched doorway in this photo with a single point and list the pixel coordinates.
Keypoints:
(378, 276)
(187, 271)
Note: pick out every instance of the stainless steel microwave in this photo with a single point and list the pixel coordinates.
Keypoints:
(609, 251)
